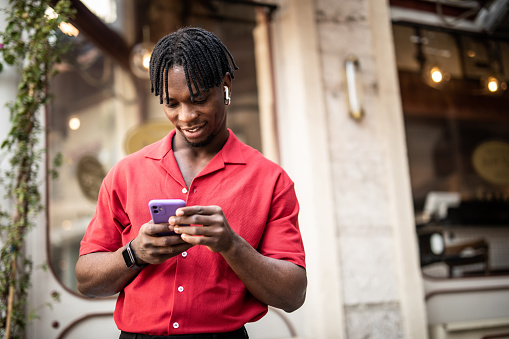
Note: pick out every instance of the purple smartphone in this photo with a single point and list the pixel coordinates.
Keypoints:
(162, 209)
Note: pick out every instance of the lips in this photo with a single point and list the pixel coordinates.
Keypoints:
(194, 132)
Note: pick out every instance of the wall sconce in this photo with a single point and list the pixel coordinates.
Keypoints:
(354, 87)
(140, 56)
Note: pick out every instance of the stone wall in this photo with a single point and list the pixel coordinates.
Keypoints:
(351, 176)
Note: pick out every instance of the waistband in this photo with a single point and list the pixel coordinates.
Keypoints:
(241, 333)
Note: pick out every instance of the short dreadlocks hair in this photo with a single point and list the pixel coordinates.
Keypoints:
(202, 55)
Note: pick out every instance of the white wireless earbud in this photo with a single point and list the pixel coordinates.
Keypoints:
(227, 99)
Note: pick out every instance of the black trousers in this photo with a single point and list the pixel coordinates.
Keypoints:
(241, 333)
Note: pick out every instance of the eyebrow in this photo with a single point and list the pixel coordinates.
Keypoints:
(203, 95)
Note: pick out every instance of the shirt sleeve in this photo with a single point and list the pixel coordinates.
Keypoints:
(282, 238)
(104, 233)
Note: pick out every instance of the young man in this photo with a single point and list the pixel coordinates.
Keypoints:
(242, 249)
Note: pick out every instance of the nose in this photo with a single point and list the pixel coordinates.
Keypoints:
(186, 113)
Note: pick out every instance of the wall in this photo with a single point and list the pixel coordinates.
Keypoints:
(351, 177)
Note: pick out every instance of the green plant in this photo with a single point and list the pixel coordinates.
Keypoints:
(29, 42)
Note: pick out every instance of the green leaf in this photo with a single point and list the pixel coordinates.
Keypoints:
(9, 58)
(36, 55)
(9, 28)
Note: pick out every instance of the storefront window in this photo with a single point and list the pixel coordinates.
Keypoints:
(457, 132)
(86, 122)
(96, 117)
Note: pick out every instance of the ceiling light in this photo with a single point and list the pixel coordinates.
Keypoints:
(65, 27)
(68, 29)
(67, 225)
(74, 124)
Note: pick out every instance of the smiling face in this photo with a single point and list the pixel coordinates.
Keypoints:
(200, 123)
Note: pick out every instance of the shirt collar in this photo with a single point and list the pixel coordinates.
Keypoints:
(160, 148)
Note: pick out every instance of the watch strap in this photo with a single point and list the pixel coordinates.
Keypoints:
(130, 257)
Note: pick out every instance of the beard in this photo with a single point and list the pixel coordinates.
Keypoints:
(203, 143)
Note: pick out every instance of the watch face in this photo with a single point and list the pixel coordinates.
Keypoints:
(129, 260)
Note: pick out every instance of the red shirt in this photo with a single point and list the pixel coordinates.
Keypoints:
(196, 291)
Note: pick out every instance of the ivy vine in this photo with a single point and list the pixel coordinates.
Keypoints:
(30, 43)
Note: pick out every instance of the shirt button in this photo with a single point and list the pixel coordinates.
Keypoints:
(175, 325)
(184, 190)
(180, 289)
(184, 254)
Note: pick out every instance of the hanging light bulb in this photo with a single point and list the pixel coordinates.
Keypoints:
(493, 84)
(146, 60)
(140, 56)
(436, 75)
(140, 59)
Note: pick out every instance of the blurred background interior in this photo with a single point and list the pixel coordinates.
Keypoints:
(452, 58)
(453, 81)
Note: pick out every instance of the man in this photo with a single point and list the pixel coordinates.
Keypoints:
(237, 246)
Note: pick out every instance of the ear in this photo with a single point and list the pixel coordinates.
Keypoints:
(227, 81)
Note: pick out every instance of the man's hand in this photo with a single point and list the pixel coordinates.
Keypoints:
(102, 274)
(152, 248)
(213, 232)
(275, 282)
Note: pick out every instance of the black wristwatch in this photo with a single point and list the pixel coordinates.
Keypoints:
(130, 257)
